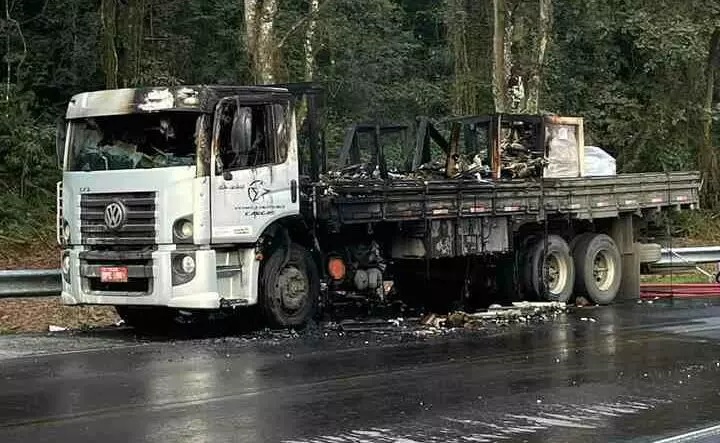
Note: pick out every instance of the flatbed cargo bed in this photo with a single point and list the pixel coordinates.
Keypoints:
(367, 201)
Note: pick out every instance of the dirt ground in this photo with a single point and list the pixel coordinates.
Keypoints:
(38, 314)
(35, 256)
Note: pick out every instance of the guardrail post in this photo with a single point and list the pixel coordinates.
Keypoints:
(623, 233)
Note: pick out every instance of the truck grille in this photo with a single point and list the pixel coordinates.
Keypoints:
(138, 219)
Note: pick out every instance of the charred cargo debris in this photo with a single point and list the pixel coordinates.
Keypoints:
(436, 324)
(480, 148)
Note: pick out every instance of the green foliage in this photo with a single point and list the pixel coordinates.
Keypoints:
(634, 69)
(701, 226)
(27, 220)
(367, 62)
(27, 172)
(27, 148)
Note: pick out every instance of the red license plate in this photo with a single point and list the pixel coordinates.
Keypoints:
(114, 274)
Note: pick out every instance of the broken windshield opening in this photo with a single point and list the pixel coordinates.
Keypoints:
(133, 141)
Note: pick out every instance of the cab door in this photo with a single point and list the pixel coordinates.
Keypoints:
(254, 181)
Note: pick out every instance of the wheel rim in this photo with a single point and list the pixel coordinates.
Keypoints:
(555, 272)
(292, 288)
(603, 270)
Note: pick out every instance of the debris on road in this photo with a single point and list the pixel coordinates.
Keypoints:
(53, 328)
(496, 314)
(435, 324)
(370, 325)
(581, 301)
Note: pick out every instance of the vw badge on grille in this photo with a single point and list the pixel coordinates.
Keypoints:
(115, 215)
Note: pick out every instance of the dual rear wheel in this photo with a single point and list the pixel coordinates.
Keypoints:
(589, 266)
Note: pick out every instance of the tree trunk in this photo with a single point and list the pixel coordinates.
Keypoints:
(512, 84)
(499, 74)
(708, 159)
(131, 39)
(108, 15)
(532, 105)
(259, 29)
(313, 8)
(455, 22)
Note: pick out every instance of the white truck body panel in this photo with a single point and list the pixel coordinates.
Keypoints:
(173, 188)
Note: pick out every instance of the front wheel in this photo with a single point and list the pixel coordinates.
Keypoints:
(290, 287)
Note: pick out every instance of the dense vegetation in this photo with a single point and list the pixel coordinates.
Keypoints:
(642, 72)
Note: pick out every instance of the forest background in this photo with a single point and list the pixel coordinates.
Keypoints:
(643, 73)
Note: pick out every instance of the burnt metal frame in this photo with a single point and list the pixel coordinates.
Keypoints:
(314, 95)
(494, 123)
(351, 150)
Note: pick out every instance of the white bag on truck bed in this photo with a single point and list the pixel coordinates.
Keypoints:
(563, 158)
(598, 163)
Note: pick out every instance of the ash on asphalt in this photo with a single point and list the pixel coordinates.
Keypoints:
(243, 329)
(618, 373)
(363, 332)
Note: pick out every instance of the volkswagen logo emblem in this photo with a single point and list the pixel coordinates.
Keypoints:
(115, 215)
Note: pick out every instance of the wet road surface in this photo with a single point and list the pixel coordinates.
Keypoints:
(637, 372)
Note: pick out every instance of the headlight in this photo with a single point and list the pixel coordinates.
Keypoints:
(188, 264)
(66, 264)
(183, 229)
(66, 232)
(183, 265)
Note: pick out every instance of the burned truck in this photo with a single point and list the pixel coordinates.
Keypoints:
(204, 198)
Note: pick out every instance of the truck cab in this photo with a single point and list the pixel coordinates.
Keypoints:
(166, 194)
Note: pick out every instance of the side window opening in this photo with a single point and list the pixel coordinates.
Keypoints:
(282, 122)
(226, 137)
(245, 138)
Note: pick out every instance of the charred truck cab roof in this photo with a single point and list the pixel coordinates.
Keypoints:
(199, 98)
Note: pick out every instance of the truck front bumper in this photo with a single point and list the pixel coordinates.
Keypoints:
(154, 279)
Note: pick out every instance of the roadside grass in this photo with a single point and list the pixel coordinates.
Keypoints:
(27, 231)
(675, 278)
(700, 227)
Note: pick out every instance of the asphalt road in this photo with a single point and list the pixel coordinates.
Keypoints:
(638, 372)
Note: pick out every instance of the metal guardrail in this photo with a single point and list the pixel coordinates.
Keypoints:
(44, 282)
(689, 256)
(30, 283)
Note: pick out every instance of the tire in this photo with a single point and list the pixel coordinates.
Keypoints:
(578, 239)
(561, 270)
(599, 268)
(289, 290)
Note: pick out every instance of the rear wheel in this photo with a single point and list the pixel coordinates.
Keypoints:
(290, 287)
(599, 269)
(550, 274)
